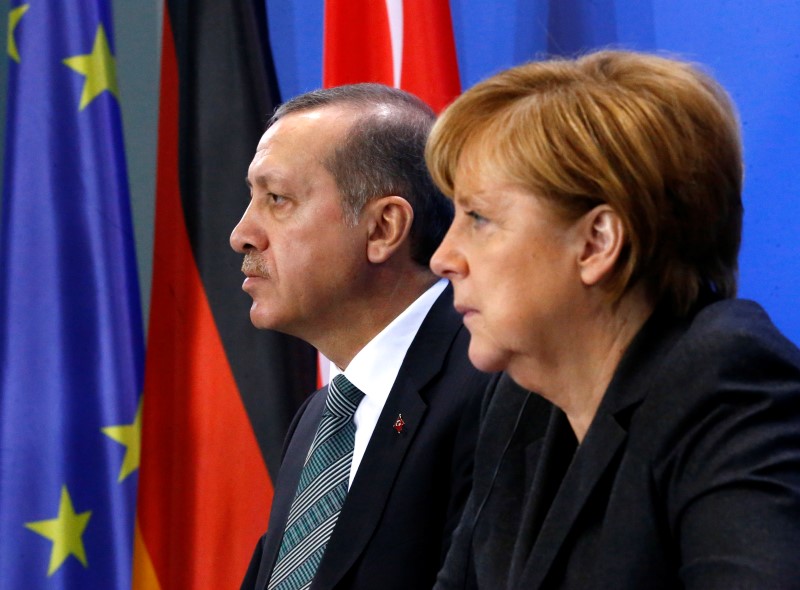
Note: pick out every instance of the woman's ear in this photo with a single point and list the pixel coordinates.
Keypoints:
(388, 226)
(603, 239)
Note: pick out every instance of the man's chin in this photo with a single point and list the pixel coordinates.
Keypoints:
(261, 320)
(264, 319)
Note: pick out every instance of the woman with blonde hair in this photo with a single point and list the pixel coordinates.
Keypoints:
(594, 259)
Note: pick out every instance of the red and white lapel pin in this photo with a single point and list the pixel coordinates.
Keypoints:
(399, 424)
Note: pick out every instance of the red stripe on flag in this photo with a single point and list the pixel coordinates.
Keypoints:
(357, 45)
(191, 402)
(430, 66)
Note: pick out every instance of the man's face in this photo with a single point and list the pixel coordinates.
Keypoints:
(302, 260)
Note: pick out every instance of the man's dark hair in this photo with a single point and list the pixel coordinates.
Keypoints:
(382, 154)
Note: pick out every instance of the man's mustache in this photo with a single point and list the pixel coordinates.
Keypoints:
(254, 266)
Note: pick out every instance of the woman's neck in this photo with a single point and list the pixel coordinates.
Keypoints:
(577, 377)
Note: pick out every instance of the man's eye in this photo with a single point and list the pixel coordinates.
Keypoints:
(276, 199)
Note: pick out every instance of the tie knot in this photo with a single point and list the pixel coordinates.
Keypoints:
(343, 397)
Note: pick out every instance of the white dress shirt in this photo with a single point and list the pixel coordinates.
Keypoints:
(374, 369)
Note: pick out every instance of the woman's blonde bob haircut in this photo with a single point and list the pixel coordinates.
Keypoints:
(654, 138)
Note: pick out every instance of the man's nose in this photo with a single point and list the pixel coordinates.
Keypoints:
(248, 235)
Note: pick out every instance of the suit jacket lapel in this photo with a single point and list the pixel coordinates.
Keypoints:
(507, 424)
(590, 463)
(383, 458)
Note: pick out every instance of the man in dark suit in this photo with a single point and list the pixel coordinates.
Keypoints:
(342, 221)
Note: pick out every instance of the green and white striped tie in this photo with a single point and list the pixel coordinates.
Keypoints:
(321, 491)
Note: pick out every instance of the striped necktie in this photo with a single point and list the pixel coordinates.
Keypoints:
(321, 491)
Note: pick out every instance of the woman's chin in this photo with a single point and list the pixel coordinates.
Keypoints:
(487, 359)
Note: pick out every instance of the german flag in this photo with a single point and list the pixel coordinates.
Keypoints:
(218, 394)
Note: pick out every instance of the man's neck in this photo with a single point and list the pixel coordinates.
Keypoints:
(374, 312)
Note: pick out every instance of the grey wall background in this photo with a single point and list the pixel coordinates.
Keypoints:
(137, 33)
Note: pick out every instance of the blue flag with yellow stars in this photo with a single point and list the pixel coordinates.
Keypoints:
(71, 346)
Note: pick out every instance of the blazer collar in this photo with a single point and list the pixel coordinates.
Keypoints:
(648, 349)
(550, 514)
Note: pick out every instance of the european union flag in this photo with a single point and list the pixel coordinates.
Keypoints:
(71, 349)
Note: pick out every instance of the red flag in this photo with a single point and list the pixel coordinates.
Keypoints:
(403, 43)
(407, 44)
(218, 393)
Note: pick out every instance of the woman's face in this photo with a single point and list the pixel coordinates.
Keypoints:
(513, 263)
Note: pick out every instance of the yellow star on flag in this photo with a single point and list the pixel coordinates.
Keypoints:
(65, 531)
(99, 68)
(129, 435)
(13, 20)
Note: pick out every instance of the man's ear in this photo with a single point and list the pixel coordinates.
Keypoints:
(603, 235)
(389, 224)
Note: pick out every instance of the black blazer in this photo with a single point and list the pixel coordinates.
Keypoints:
(408, 494)
(689, 476)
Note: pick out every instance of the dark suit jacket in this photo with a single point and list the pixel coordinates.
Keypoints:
(410, 488)
(689, 476)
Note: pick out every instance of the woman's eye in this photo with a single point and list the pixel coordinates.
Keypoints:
(476, 217)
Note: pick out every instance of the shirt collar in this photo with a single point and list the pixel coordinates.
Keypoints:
(375, 367)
